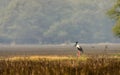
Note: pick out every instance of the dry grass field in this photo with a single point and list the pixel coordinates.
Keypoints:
(60, 65)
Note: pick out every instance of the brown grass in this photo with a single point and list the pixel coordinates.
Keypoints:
(60, 65)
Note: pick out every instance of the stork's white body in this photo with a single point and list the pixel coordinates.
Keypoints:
(78, 46)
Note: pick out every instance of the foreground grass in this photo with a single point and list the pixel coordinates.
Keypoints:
(60, 65)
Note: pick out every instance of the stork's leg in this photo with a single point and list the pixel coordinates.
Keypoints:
(78, 54)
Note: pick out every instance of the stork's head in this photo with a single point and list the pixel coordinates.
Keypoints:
(76, 43)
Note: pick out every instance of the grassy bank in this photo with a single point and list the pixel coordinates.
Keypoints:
(60, 65)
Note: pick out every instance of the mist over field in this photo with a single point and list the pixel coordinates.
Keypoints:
(55, 21)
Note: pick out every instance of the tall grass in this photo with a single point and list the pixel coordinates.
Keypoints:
(66, 66)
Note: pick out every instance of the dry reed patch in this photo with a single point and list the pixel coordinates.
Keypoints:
(58, 66)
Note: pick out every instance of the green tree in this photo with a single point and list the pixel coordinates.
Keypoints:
(114, 13)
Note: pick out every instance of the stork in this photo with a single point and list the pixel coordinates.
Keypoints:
(79, 48)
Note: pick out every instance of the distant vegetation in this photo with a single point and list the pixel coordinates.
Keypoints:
(60, 66)
(114, 13)
(55, 21)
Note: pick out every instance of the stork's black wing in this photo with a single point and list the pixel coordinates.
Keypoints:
(80, 49)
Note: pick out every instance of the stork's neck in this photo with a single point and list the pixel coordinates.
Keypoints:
(76, 43)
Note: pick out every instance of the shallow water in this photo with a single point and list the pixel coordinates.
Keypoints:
(7, 50)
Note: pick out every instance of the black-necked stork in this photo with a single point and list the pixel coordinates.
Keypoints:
(79, 48)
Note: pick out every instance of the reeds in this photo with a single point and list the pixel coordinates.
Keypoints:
(67, 66)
